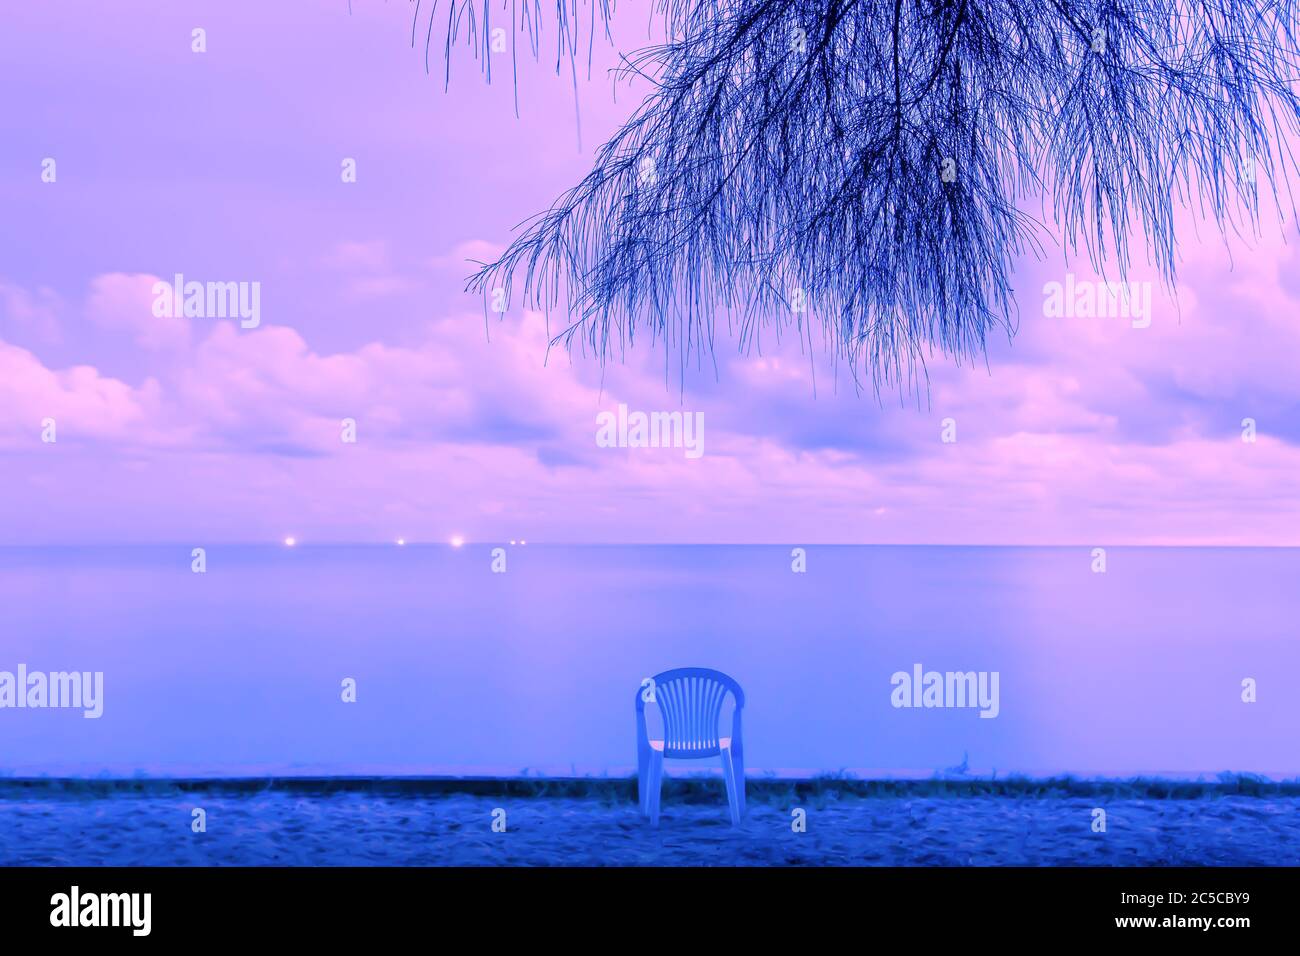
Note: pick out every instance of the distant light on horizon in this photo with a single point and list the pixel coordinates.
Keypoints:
(290, 541)
(401, 542)
(457, 541)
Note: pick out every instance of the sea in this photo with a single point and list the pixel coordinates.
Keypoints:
(499, 659)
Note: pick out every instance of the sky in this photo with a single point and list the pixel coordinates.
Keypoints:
(226, 166)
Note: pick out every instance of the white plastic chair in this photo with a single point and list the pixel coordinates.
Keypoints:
(690, 701)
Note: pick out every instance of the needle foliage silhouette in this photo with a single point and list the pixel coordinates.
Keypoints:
(861, 169)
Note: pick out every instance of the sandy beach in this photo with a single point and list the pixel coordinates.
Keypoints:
(48, 826)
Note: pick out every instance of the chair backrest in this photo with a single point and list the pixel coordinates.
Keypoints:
(690, 701)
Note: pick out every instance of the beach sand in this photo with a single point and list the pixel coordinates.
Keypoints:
(271, 827)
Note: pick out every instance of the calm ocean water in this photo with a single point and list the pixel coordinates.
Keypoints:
(458, 669)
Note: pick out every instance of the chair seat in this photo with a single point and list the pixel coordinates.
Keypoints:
(724, 743)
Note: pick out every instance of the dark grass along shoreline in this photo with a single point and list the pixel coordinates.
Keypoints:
(685, 788)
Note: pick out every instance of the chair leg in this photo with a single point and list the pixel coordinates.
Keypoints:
(738, 770)
(656, 784)
(733, 802)
(643, 786)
